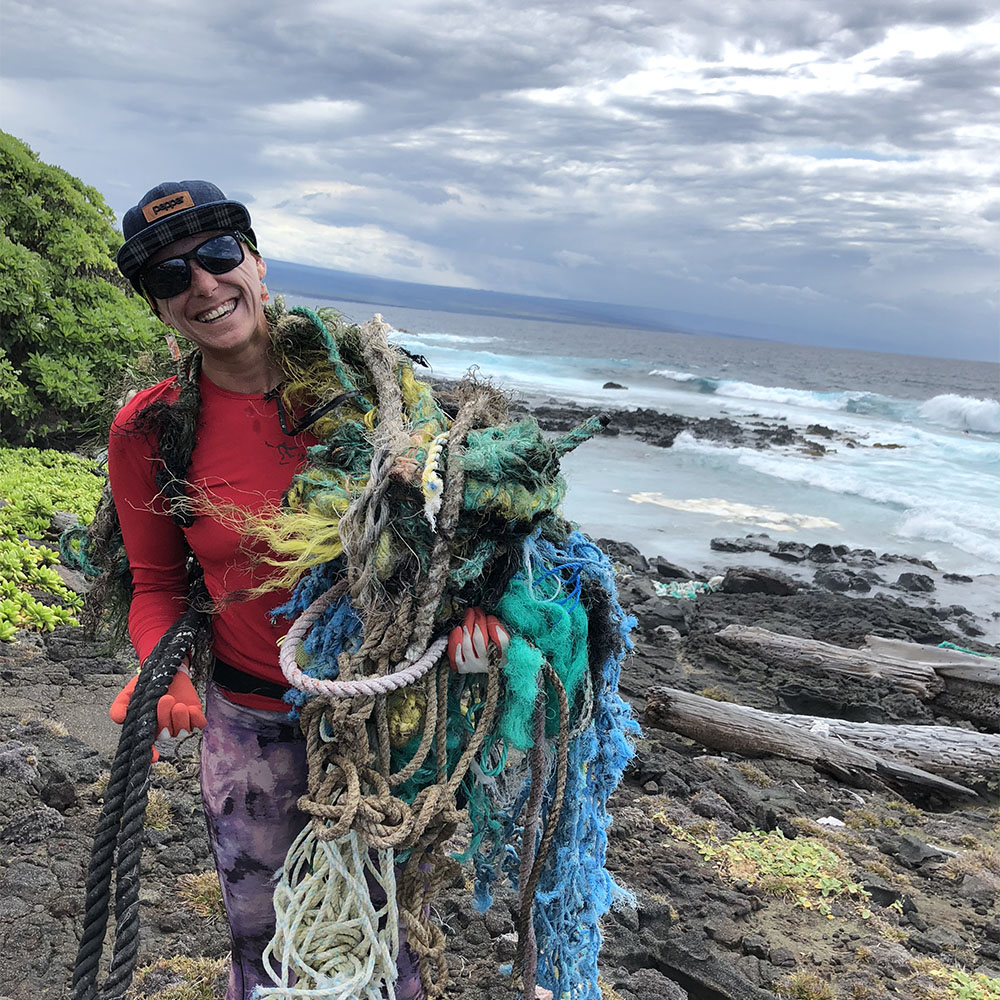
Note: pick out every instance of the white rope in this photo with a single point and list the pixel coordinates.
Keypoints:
(365, 686)
(327, 939)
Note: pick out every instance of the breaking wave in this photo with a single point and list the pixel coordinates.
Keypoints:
(963, 413)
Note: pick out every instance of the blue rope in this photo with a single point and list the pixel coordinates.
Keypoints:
(336, 631)
(575, 889)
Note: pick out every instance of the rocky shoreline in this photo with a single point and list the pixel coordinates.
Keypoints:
(661, 429)
(926, 867)
(835, 568)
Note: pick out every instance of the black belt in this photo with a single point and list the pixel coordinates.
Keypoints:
(240, 682)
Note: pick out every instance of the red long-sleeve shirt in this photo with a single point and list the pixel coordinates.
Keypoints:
(242, 461)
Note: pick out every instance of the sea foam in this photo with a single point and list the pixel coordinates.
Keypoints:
(739, 513)
(935, 500)
(937, 527)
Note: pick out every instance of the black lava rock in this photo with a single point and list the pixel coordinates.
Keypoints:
(915, 583)
(757, 581)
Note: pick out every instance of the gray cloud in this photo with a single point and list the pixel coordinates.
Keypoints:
(825, 171)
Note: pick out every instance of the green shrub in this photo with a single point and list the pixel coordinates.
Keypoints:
(69, 323)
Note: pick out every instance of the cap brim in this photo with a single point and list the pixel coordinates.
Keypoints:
(202, 218)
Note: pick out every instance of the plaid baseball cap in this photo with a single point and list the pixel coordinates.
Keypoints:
(171, 210)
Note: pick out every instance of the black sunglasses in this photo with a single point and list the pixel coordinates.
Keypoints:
(170, 277)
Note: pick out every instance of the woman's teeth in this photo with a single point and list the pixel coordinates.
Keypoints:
(213, 314)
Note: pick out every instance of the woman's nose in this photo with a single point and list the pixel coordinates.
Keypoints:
(202, 282)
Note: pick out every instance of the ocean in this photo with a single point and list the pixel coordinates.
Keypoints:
(934, 495)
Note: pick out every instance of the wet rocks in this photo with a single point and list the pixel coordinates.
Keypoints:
(662, 429)
(791, 551)
(841, 580)
(840, 569)
(743, 580)
(625, 554)
(751, 543)
(915, 583)
(669, 571)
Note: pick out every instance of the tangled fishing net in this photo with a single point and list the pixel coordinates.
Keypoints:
(413, 508)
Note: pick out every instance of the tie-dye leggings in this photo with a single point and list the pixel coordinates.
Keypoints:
(253, 769)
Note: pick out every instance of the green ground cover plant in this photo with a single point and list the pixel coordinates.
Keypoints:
(803, 868)
(33, 485)
(953, 984)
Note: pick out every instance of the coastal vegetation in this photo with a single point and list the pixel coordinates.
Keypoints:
(802, 869)
(69, 323)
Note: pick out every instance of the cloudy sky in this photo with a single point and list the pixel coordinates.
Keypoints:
(827, 170)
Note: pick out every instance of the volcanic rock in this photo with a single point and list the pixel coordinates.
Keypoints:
(915, 583)
(744, 580)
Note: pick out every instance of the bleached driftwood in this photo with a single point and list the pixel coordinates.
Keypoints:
(794, 652)
(946, 663)
(751, 732)
(938, 749)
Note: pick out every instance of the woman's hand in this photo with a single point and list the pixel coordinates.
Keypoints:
(178, 712)
(468, 644)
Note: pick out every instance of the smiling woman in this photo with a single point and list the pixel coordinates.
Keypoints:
(296, 468)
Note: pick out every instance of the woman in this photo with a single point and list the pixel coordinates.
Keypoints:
(191, 253)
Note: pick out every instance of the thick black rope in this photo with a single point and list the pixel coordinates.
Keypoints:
(123, 815)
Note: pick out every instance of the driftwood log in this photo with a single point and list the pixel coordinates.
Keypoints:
(971, 683)
(961, 685)
(938, 749)
(752, 733)
(796, 653)
(946, 663)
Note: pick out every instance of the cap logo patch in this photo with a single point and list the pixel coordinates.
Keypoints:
(165, 206)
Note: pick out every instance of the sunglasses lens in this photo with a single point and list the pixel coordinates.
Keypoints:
(173, 276)
(220, 254)
(168, 278)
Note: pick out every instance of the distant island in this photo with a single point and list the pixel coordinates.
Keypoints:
(326, 283)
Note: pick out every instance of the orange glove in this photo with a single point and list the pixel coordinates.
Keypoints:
(468, 644)
(177, 712)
